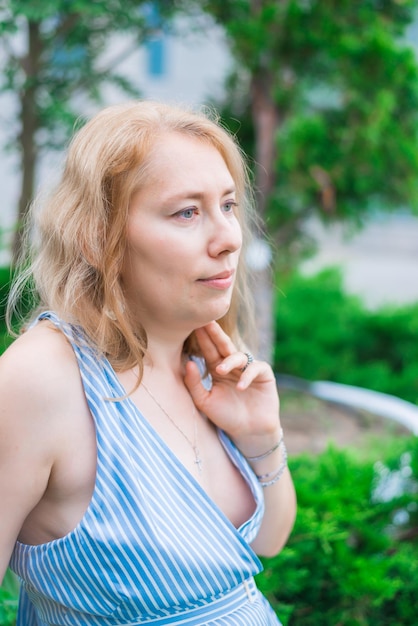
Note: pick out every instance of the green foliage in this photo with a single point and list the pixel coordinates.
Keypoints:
(8, 600)
(351, 559)
(5, 277)
(5, 280)
(324, 334)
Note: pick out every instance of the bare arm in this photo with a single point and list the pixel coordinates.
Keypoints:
(33, 379)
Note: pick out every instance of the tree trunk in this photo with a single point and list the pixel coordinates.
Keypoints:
(27, 138)
(265, 120)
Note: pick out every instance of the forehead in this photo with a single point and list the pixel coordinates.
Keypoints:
(180, 159)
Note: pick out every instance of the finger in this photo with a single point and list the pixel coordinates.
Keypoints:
(257, 371)
(221, 339)
(238, 360)
(213, 342)
(193, 382)
(249, 375)
(209, 350)
(216, 341)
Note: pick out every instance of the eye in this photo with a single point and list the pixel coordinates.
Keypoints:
(230, 206)
(187, 214)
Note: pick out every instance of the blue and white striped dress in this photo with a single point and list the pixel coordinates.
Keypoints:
(152, 547)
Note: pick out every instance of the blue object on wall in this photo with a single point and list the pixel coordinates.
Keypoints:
(156, 48)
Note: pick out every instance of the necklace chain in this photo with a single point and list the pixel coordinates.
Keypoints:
(193, 444)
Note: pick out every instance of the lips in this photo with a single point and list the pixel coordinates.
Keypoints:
(220, 276)
(223, 280)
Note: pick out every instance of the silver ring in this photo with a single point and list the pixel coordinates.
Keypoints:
(250, 359)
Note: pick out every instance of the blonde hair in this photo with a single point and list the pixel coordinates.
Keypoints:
(76, 262)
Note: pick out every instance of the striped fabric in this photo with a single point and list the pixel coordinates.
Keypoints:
(152, 547)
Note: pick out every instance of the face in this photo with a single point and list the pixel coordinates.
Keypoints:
(183, 238)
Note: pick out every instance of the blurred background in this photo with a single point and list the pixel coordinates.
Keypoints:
(323, 97)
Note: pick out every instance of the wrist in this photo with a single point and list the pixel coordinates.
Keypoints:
(269, 477)
(269, 465)
(257, 447)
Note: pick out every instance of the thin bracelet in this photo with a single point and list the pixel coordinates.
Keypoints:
(274, 472)
(277, 474)
(266, 454)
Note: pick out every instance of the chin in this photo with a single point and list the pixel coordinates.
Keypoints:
(209, 311)
(220, 311)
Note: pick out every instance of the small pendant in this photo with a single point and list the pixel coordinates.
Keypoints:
(198, 461)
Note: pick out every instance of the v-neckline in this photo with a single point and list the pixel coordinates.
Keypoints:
(121, 392)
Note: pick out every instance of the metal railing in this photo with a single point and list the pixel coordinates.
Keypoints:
(358, 398)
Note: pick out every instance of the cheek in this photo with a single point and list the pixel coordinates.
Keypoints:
(156, 264)
(159, 253)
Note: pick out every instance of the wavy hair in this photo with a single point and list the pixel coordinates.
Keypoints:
(74, 261)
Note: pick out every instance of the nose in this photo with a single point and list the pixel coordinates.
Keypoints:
(224, 236)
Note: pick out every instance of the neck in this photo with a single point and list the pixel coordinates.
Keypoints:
(164, 359)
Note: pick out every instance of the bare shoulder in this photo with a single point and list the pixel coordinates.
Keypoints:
(40, 356)
(40, 389)
(39, 377)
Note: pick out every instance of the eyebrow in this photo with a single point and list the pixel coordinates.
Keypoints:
(198, 195)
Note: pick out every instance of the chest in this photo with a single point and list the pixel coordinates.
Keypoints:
(194, 442)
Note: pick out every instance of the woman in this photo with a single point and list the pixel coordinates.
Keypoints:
(142, 459)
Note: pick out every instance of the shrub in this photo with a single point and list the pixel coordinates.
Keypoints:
(24, 306)
(324, 334)
(351, 559)
(5, 278)
(8, 600)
